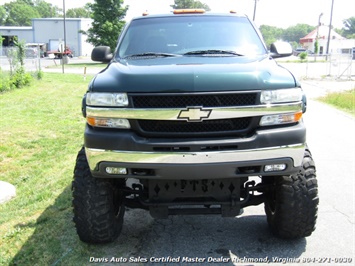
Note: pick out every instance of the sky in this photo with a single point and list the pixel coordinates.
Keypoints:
(278, 13)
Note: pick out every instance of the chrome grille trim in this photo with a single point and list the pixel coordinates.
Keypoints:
(173, 113)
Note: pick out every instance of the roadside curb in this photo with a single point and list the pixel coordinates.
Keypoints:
(7, 192)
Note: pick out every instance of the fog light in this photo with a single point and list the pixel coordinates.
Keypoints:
(108, 122)
(116, 170)
(270, 120)
(274, 167)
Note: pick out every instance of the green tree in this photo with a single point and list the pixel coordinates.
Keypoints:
(28, 2)
(47, 10)
(271, 34)
(303, 56)
(19, 13)
(316, 47)
(2, 15)
(108, 22)
(81, 12)
(295, 33)
(179, 4)
(292, 34)
(348, 30)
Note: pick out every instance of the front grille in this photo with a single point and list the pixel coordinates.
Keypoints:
(174, 128)
(224, 126)
(185, 100)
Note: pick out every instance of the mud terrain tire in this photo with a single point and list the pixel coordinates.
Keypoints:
(97, 203)
(292, 206)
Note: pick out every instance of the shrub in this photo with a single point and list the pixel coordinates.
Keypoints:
(17, 77)
(20, 78)
(303, 56)
(5, 83)
(39, 74)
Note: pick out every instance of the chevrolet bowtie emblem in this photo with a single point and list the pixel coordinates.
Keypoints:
(194, 114)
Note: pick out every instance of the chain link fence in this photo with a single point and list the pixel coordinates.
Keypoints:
(340, 66)
(333, 66)
(9, 58)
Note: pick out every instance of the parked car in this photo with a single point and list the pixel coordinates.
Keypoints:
(35, 49)
(31, 52)
(301, 50)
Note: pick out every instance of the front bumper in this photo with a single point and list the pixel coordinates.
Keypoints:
(194, 158)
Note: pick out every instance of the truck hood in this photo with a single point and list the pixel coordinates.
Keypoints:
(192, 74)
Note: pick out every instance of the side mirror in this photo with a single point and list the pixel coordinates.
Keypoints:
(101, 54)
(280, 49)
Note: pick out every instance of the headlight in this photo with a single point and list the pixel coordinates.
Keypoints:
(106, 99)
(281, 96)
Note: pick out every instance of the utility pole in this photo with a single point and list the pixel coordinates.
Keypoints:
(254, 9)
(330, 28)
(63, 51)
(321, 14)
(316, 46)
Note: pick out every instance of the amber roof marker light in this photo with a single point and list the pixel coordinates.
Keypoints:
(189, 11)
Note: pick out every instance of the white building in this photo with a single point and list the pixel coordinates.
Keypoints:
(50, 32)
(337, 44)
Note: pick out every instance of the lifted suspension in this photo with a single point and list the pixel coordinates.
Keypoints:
(226, 197)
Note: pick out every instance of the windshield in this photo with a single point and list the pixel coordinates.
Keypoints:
(191, 35)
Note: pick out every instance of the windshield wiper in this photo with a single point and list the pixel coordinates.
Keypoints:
(150, 54)
(208, 52)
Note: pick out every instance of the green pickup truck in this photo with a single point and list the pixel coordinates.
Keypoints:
(192, 115)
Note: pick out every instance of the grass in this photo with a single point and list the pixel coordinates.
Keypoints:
(41, 133)
(342, 100)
